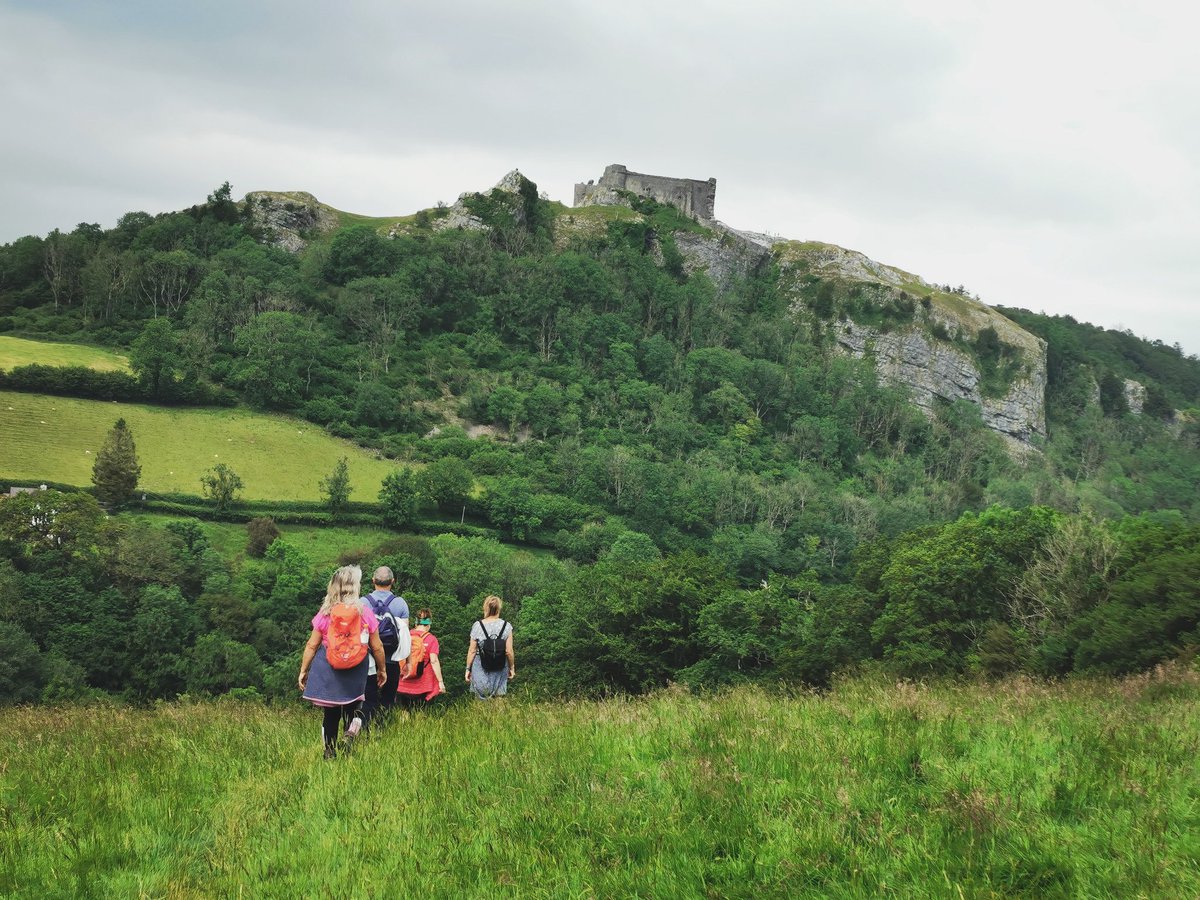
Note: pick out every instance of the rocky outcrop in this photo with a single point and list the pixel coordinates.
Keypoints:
(933, 370)
(928, 353)
(830, 260)
(460, 215)
(930, 356)
(600, 195)
(724, 254)
(289, 219)
(1135, 396)
(1134, 392)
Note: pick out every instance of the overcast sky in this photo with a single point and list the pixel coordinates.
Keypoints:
(1041, 154)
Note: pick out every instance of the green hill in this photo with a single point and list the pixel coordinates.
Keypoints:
(714, 431)
(278, 457)
(1085, 789)
(21, 352)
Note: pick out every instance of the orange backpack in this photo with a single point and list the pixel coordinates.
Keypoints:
(414, 667)
(347, 637)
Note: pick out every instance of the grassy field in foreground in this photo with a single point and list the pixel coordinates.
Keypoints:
(16, 351)
(278, 458)
(1087, 789)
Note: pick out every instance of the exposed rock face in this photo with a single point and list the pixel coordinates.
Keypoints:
(759, 238)
(290, 218)
(932, 369)
(510, 183)
(829, 259)
(1135, 396)
(725, 255)
(460, 216)
(599, 195)
(1134, 391)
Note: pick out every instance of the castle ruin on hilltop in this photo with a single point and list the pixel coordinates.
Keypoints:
(694, 198)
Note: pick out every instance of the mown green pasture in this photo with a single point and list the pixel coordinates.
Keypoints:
(16, 351)
(1086, 789)
(279, 458)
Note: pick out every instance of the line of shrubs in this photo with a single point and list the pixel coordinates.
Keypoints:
(271, 508)
(283, 512)
(315, 515)
(90, 384)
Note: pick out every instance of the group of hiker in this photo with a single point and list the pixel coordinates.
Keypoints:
(362, 657)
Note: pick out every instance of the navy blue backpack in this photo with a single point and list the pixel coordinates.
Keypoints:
(389, 632)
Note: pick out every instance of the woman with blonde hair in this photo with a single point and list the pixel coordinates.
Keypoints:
(490, 660)
(334, 679)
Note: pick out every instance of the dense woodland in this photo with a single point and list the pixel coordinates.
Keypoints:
(725, 496)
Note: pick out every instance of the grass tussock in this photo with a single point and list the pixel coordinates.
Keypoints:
(1021, 788)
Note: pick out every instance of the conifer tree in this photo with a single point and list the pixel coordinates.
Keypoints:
(116, 471)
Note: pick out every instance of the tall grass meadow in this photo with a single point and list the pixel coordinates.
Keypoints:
(875, 788)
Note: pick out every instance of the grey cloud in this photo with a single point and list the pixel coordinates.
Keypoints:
(819, 121)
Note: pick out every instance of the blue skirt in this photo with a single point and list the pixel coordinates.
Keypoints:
(486, 685)
(328, 686)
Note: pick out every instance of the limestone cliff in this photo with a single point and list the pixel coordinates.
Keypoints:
(933, 369)
(930, 354)
(1135, 395)
(930, 344)
(460, 215)
(929, 348)
(723, 254)
(290, 219)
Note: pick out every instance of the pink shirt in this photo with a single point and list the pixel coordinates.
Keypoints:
(427, 683)
(320, 623)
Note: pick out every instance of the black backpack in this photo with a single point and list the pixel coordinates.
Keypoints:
(491, 649)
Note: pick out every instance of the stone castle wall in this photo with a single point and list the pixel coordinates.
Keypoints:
(693, 197)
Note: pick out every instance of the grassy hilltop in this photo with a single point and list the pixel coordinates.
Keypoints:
(1021, 789)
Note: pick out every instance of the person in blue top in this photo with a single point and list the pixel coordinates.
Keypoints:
(392, 613)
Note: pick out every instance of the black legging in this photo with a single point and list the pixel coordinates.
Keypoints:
(379, 700)
(336, 714)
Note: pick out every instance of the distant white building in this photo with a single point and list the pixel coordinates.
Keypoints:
(17, 491)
